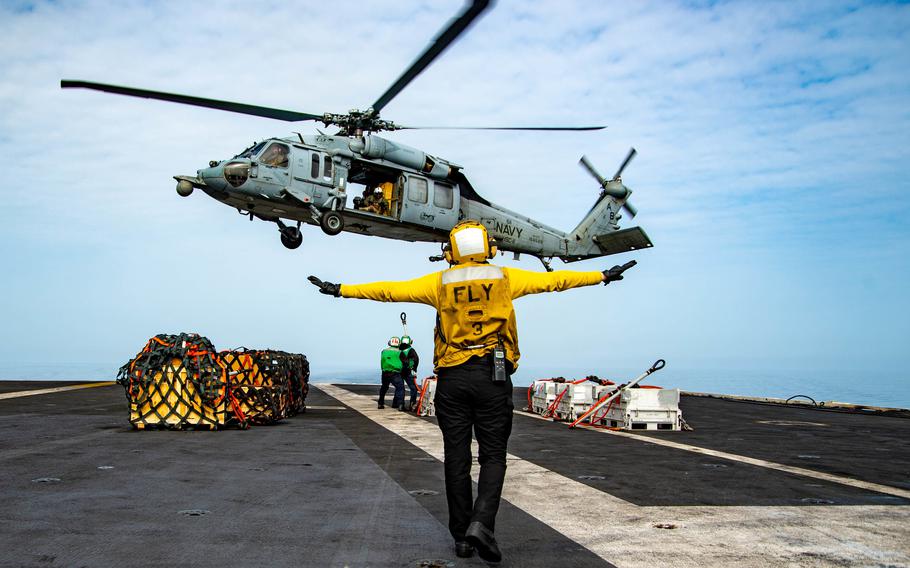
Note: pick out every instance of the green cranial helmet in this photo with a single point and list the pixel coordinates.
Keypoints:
(393, 342)
(405, 341)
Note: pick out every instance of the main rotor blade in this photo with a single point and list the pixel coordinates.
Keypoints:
(455, 28)
(629, 156)
(278, 114)
(544, 128)
(588, 166)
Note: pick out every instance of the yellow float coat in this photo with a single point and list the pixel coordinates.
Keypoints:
(474, 304)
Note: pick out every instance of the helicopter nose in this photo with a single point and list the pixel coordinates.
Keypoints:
(213, 176)
(211, 172)
(234, 174)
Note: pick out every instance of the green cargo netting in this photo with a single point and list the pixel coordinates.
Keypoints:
(181, 382)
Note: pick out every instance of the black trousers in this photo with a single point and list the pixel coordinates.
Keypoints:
(392, 378)
(467, 399)
(411, 383)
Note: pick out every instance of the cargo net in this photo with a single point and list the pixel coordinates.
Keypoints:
(268, 385)
(181, 382)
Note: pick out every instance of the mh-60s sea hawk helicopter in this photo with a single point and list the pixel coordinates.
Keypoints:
(407, 194)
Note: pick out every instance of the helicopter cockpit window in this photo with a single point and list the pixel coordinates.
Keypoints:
(417, 189)
(276, 155)
(442, 195)
(314, 166)
(252, 151)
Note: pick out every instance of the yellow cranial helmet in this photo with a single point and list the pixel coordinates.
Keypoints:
(469, 242)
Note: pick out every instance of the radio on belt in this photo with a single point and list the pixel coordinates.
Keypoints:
(499, 362)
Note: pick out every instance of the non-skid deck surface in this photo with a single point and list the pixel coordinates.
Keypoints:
(346, 484)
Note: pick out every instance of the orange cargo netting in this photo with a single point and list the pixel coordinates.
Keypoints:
(181, 382)
(257, 398)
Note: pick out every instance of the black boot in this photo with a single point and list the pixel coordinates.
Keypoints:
(482, 539)
(463, 549)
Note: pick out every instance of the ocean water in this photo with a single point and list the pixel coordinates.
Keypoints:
(883, 388)
(887, 388)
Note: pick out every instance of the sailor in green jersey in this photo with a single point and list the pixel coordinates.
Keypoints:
(390, 364)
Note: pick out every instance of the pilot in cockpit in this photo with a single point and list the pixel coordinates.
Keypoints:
(275, 155)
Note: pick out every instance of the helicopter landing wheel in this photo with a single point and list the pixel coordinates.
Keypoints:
(291, 237)
(331, 223)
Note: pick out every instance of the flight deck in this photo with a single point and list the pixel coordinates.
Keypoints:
(347, 484)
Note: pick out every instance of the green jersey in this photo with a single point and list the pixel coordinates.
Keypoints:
(391, 359)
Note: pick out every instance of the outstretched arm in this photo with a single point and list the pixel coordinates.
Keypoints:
(419, 290)
(524, 282)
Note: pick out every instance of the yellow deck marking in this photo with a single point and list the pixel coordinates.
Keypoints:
(849, 481)
(18, 394)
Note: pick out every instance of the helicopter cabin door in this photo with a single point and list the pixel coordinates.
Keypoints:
(314, 175)
(429, 202)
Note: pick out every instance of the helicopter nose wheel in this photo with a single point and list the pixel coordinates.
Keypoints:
(331, 223)
(291, 237)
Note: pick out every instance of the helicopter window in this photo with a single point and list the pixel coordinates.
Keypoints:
(327, 166)
(442, 195)
(252, 151)
(276, 155)
(417, 189)
(314, 166)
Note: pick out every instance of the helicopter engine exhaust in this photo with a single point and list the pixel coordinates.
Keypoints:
(376, 147)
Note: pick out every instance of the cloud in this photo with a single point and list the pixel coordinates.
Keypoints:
(772, 138)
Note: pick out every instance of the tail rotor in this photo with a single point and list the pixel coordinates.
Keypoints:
(613, 187)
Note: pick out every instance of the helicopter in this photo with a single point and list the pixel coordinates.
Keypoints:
(398, 192)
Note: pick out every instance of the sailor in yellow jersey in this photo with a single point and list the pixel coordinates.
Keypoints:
(476, 349)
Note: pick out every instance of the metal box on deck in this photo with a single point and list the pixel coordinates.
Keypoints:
(577, 400)
(643, 409)
(543, 393)
(425, 404)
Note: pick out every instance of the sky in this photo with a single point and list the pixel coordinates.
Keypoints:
(773, 140)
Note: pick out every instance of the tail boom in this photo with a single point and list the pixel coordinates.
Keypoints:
(598, 234)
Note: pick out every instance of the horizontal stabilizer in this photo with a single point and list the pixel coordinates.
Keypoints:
(623, 240)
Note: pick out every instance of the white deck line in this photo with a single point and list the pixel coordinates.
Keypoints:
(849, 481)
(624, 534)
(18, 394)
